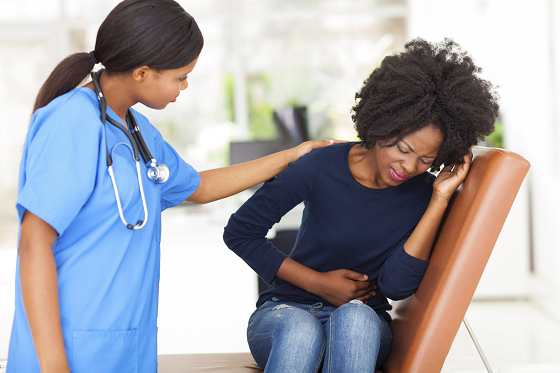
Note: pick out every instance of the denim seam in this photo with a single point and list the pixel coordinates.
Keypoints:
(331, 343)
(254, 314)
(263, 305)
(317, 314)
(321, 356)
(260, 335)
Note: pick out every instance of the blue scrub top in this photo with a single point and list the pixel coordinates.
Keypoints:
(108, 275)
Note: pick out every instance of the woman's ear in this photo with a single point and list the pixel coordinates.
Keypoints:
(141, 73)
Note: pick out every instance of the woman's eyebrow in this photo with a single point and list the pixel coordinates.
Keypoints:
(409, 147)
(412, 150)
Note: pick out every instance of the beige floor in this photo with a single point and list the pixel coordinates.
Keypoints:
(516, 336)
(198, 272)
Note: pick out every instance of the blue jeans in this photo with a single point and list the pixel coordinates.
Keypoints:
(293, 337)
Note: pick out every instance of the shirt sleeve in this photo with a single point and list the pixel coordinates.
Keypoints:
(401, 273)
(58, 166)
(245, 233)
(183, 178)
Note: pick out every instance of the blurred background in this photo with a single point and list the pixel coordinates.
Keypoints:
(305, 60)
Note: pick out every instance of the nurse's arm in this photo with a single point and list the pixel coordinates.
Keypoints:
(39, 289)
(224, 182)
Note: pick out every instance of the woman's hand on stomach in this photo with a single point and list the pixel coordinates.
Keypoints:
(336, 287)
(343, 285)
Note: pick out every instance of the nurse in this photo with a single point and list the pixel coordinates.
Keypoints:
(88, 258)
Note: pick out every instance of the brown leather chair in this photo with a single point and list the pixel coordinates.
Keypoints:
(424, 325)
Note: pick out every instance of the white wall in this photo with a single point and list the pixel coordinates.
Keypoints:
(515, 42)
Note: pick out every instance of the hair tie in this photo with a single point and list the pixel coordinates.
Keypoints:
(92, 56)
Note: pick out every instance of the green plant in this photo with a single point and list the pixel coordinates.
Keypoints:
(496, 138)
(261, 123)
(229, 108)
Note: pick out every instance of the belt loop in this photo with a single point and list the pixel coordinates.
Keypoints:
(318, 305)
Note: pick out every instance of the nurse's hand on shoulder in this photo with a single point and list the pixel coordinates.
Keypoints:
(305, 147)
(226, 181)
(451, 177)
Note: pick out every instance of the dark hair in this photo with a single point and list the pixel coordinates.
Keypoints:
(159, 34)
(427, 84)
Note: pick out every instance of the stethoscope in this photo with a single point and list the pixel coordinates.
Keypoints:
(158, 173)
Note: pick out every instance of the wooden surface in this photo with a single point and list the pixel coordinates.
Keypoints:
(234, 363)
(195, 363)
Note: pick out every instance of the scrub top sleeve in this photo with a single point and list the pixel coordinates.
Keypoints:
(183, 178)
(58, 166)
(401, 273)
(245, 233)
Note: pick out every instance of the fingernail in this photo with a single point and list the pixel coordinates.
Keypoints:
(331, 141)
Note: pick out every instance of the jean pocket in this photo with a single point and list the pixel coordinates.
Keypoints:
(112, 351)
(255, 312)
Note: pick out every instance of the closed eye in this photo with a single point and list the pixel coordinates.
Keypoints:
(402, 151)
(425, 162)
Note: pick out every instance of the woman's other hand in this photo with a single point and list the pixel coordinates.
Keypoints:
(342, 285)
(451, 177)
(420, 242)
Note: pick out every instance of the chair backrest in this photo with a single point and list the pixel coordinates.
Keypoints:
(425, 324)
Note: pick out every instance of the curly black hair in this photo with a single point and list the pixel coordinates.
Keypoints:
(427, 83)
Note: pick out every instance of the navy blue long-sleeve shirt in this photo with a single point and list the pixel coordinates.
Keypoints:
(344, 225)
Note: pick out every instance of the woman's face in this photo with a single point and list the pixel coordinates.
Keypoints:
(161, 88)
(411, 156)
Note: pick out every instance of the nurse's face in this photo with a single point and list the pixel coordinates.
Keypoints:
(411, 156)
(158, 89)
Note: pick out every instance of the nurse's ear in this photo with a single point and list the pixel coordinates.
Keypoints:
(141, 73)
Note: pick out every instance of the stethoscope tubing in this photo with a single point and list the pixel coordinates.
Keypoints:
(117, 195)
(143, 148)
(138, 148)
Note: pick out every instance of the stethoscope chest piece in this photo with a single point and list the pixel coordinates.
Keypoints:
(159, 174)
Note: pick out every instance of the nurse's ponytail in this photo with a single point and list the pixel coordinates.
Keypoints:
(154, 33)
(67, 75)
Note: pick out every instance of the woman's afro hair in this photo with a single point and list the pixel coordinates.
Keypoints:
(427, 83)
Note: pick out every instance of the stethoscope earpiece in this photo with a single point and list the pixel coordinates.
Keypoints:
(139, 225)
